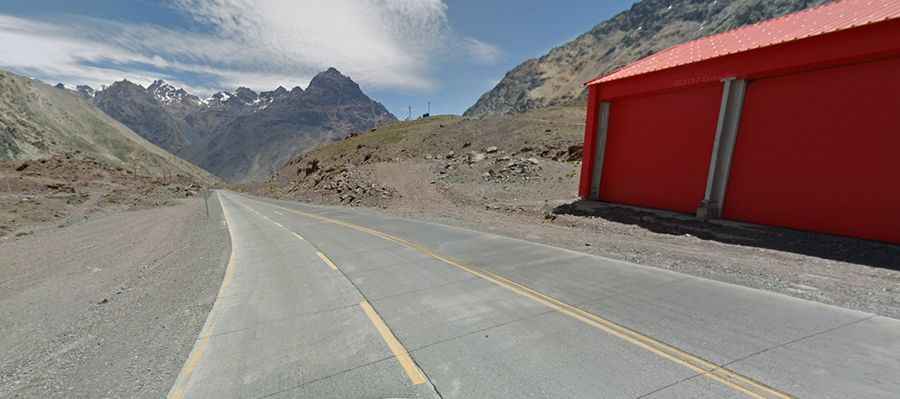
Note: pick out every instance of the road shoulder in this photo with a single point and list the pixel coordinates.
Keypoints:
(119, 299)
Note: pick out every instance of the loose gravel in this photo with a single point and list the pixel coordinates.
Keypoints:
(110, 307)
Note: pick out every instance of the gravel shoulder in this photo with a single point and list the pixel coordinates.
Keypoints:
(110, 307)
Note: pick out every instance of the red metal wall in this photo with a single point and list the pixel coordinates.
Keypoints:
(820, 151)
(658, 148)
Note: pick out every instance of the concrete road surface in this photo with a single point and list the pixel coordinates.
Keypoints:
(325, 302)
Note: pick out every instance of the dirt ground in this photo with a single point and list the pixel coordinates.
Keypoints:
(517, 175)
(69, 188)
(99, 266)
(111, 307)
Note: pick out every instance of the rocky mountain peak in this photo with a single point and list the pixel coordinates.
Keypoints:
(124, 86)
(280, 91)
(168, 94)
(246, 95)
(333, 87)
(332, 71)
(157, 84)
(220, 96)
(331, 79)
(86, 91)
(269, 96)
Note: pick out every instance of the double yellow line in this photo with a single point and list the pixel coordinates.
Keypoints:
(721, 374)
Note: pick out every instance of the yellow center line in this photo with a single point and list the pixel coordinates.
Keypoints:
(326, 260)
(415, 374)
(321, 255)
(409, 366)
(721, 374)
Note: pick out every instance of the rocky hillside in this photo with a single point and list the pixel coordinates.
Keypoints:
(242, 135)
(140, 110)
(499, 162)
(39, 121)
(649, 26)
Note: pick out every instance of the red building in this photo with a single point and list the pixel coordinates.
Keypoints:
(791, 122)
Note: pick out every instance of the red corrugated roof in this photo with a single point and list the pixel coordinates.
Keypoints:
(832, 17)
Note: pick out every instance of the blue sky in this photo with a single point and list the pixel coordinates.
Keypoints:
(402, 52)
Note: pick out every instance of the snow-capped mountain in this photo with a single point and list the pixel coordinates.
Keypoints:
(167, 94)
(241, 134)
(217, 99)
(247, 98)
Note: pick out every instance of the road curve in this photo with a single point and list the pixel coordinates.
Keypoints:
(326, 302)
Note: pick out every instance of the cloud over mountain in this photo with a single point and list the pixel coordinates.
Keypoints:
(260, 44)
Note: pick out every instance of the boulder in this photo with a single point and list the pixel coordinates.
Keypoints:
(475, 157)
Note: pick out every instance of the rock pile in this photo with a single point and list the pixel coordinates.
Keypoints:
(342, 185)
(500, 166)
(508, 169)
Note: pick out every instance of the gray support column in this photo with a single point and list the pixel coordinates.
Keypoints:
(599, 148)
(723, 148)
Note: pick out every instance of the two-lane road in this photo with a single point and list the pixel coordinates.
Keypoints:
(322, 302)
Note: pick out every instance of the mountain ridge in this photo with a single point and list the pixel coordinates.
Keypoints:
(649, 26)
(242, 134)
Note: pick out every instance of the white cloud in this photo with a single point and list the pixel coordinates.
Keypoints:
(480, 51)
(259, 44)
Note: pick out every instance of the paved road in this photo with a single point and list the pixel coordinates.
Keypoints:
(322, 302)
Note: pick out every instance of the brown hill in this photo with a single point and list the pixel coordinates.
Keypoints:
(503, 160)
(62, 160)
(38, 120)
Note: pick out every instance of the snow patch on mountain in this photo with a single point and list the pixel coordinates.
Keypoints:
(168, 94)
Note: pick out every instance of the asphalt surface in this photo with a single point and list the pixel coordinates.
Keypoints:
(326, 302)
(108, 308)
